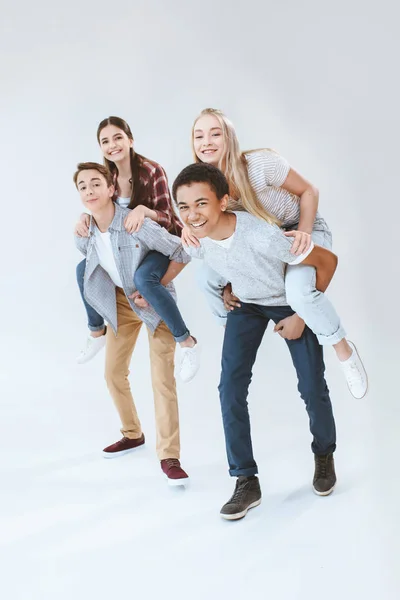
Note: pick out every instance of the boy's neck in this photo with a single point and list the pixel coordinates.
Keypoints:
(105, 217)
(225, 228)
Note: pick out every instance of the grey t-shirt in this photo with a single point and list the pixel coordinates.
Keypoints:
(254, 261)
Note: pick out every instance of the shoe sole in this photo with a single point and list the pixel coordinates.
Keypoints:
(86, 360)
(190, 378)
(177, 482)
(242, 514)
(366, 376)
(327, 493)
(121, 453)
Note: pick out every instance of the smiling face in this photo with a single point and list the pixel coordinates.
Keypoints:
(94, 190)
(114, 143)
(200, 208)
(208, 140)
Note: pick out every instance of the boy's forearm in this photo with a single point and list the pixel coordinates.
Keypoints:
(174, 268)
(325, 263)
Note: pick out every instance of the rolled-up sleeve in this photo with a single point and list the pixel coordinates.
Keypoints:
(81, 243)
(157, 238)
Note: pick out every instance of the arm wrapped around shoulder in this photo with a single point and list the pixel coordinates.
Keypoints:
(325, 263)
(159, 239)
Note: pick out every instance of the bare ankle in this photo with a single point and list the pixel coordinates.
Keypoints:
(96, 334)
(190, 342)
(343, 350)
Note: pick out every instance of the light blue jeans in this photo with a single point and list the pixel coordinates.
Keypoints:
(310, 304)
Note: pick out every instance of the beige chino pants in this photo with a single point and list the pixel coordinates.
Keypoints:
(119, 351)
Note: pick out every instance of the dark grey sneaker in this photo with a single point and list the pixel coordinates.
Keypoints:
(324, 476)
(247, 495)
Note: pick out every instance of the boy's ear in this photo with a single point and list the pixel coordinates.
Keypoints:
(224, 202)
(112, 190)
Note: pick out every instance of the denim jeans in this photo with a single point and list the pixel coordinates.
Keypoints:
(147, 282)
(95, 321)
(312, 306)
(245, 328)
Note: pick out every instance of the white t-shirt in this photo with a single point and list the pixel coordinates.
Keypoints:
(106, 256)
(123, 202)
(226, 243)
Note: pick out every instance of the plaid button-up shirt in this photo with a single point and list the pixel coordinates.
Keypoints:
(160, 197)
(129, 250)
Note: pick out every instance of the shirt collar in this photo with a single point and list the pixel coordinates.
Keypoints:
(117, 223)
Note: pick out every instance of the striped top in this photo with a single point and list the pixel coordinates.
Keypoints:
(267, 172)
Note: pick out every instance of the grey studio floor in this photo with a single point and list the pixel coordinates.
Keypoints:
(74, 525)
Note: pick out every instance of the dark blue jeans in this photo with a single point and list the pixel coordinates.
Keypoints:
(147, 282)
(244, 332)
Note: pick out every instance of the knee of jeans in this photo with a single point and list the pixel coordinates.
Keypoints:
(144, 277)
(298, 295)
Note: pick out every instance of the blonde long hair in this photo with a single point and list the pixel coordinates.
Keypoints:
(236, 167)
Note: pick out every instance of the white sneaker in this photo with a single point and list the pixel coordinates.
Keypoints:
(190, 363)
(355, 373)
(92, 347)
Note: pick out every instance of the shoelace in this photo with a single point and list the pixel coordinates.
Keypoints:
(240, 491)
(354, 373)
(173, 462)
(189, 356)
(322, 466)
(121, 442)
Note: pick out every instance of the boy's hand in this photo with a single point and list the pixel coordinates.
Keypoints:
(230, 300)
(139, 300)
(290, 328)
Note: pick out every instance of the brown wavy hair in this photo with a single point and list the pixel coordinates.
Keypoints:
(141, 189)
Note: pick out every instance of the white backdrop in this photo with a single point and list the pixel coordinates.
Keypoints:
(316, 81)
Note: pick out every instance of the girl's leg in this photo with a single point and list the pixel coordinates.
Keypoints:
(96, 340)
(147, 280)
(310, 304)
(320, 316)
(95, 321)
(212, 284)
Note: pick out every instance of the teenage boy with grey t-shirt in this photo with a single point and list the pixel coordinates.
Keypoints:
(252, 255)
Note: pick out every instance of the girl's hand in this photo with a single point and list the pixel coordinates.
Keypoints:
(82, 226)
(301, 243)
(188, 239)
(139, 300)
(230, 300)
(134, 220)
